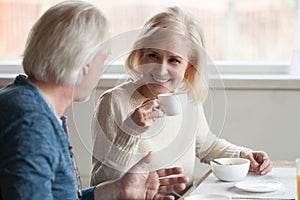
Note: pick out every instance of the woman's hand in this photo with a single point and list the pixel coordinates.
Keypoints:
(259, 161)
(147, 113)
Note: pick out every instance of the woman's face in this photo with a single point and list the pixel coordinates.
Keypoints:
(163, 71)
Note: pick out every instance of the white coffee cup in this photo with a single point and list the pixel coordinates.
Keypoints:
(173, 103)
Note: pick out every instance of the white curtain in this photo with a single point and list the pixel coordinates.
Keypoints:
(295, 64)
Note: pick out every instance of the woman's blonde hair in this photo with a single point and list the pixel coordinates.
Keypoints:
(174, 24)
(63, 41)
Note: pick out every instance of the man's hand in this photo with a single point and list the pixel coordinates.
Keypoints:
(139, 184)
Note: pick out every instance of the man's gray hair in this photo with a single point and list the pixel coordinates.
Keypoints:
(63, 41)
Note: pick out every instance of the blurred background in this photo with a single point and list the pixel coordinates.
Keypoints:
(235, 30)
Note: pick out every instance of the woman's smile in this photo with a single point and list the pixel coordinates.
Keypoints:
(160, 80)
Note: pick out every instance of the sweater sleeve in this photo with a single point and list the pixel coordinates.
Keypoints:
(208, 145)
(115, 140)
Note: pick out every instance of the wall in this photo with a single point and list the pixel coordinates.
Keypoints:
(263, 114)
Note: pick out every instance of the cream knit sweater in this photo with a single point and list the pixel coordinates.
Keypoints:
(175, 141)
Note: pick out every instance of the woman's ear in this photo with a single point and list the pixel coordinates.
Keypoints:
(86, 69)
(188, 70)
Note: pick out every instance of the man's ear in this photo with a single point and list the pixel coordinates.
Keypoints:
(86, 69)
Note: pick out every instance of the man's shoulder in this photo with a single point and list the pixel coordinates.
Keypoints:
(30, 126)
(22, 103)
(18, 98)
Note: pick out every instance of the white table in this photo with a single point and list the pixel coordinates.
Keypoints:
(283, 172)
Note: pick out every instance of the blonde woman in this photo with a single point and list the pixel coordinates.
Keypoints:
(168, 56)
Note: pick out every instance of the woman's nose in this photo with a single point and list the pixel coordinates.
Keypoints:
(163, 67)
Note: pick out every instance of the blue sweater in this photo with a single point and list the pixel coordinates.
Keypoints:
(35, 160)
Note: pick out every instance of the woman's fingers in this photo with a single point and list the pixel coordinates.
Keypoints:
(145, 114)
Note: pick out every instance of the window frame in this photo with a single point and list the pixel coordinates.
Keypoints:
(11, 67)
(222, 67)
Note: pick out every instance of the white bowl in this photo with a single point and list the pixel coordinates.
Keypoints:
(207, 197)
(233, 169)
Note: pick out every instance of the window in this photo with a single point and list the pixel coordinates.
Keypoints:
(241, 35)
